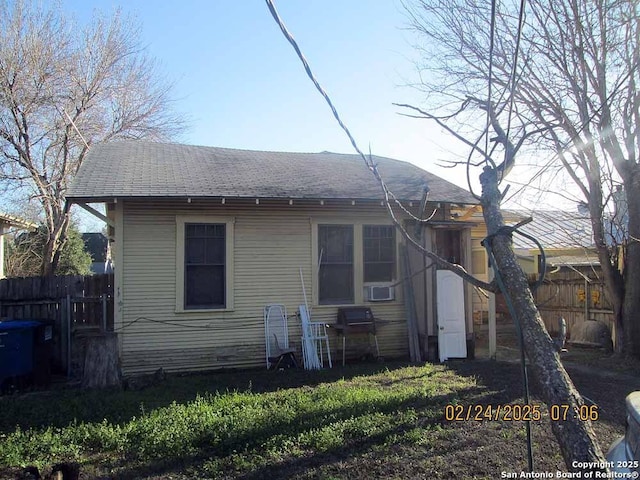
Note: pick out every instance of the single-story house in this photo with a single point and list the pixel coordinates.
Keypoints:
(204, 238)
(8, 222)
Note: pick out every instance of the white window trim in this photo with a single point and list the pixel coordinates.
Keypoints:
(229, 222)
(358, 260)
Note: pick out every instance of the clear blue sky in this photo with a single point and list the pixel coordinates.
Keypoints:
(243, 86)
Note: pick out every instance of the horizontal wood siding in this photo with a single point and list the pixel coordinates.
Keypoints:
(271, 244)
(480, 270)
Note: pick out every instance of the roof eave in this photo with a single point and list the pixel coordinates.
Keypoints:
(16, 222)
(114, 198)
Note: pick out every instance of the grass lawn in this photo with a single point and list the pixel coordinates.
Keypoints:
(362, 422)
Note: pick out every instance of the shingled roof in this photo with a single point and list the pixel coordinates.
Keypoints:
(137, 169)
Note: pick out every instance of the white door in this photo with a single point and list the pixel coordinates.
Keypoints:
(452, 338)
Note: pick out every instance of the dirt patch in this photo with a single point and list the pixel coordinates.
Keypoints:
(472, 449)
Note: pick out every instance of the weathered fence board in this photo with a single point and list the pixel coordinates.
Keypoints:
(576, 295)
(54, 288)
(71, 303)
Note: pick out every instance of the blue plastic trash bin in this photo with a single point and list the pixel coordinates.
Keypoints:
(16, 348)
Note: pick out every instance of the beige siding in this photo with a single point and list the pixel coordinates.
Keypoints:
(480, 270)
(271, 243)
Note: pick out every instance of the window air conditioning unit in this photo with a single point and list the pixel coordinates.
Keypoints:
(379, 293)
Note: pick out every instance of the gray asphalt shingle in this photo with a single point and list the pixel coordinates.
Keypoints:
(148, 169)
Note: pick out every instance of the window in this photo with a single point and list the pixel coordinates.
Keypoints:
(449, 245)
(335, 256)
(379, 245)
(204, 265)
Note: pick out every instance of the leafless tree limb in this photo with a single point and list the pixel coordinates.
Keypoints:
(65, 87)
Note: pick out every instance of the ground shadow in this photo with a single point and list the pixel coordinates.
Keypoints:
(59, 408)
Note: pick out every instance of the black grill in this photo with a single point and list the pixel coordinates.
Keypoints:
(357, 319)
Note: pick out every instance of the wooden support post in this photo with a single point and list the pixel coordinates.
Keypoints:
(69, 314)
(104, 312)
(2, 233)
(410, 307)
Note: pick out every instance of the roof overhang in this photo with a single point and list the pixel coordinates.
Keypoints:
(251, 199)
(451, 224)
(16, 222)
(574, 261)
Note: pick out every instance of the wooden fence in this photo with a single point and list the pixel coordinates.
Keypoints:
(575, 295)
(73, 304)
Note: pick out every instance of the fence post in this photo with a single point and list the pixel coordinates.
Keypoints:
(587, 298)
(104, 312)
(68, 336)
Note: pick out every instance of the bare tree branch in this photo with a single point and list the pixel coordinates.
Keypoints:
(65, 87)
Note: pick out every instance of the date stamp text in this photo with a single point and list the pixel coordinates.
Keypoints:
(513, 412)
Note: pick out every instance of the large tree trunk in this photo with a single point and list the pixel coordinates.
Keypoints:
(631, 308)
(613, 280)
(55, 243)
(101, 364)
(631, 304)
(575, 436)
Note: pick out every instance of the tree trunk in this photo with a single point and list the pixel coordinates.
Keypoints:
(101, 368)
(55, 243)
(631, 303)
(615, 290)
(575, 436)
(631, 308)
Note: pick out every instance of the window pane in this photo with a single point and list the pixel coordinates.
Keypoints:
(370, 250)
(204, 286)
(385, 253)
(196, 230)
(336, 243)
(205, 258)
(335, 252)
(378, 272)
(216, 230)
(195, 251)
(336, 284)
(379, 247)
(190, 230)
(215, 250)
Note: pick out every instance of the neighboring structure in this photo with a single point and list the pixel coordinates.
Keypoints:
(566, 237)
(97, 244)
(7, 222)
(204, 238)
(567, 240)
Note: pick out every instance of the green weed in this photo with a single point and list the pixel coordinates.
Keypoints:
(234, 430)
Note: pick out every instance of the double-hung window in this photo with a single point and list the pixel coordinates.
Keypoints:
(379, 245)
(204, 265)
(335, 256)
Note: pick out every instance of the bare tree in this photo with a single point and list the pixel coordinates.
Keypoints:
(577, 81)
(63, 88)
(576, 437)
